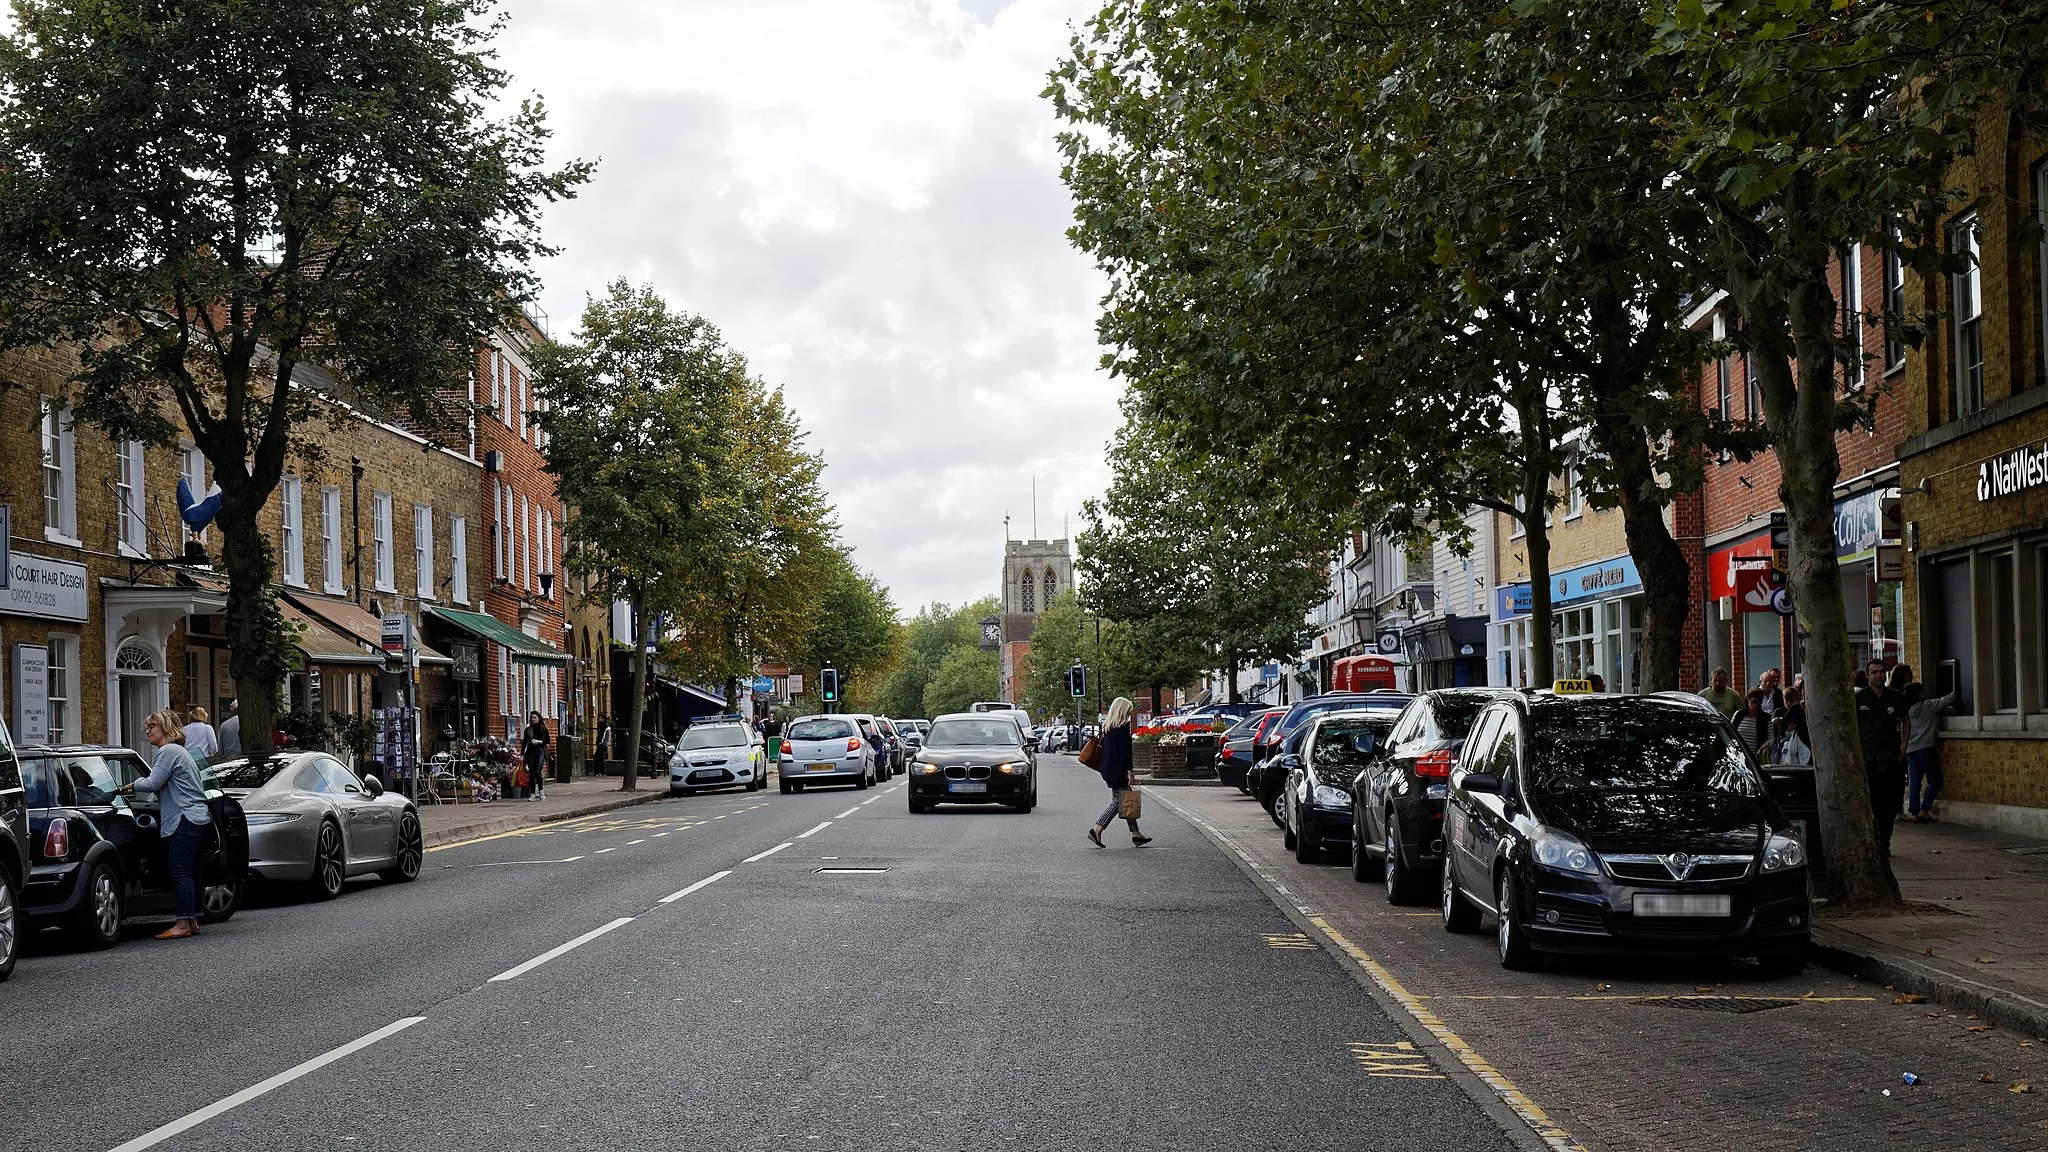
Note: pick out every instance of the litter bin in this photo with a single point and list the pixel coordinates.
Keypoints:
(1795, 788)
(568, 758)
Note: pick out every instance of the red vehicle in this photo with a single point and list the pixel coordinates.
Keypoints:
(1234, 757)
(1362, 674)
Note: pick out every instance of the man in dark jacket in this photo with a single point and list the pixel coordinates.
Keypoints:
(1882, 729)
(1116, 772)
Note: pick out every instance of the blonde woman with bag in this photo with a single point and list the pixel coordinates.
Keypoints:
(1116, 772)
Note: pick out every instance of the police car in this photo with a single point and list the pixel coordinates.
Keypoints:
(717, 752)
(1589, 823)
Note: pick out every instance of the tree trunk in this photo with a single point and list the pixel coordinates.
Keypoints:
(642, 639)
(254, 624)
(1535, 420)
(732, 694)
(1230, 670)
(1667, 576)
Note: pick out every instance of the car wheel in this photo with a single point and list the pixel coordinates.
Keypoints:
(1288, 839)
(1515, 952)
(10, 925)
(1403, 884)
(1459, 914)
(220, 902)
(861, 784)
(411, 851)
(919, 809)
(330, 867)
(785, 787)
(1278, 808)
(1308, 844)
(1362, 870)
(99, 915)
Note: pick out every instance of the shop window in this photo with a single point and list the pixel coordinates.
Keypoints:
(131, 532)
(1761, 647)
(1894, 300)
(1952, 632)
(62, 649)
(1966, 312)
(60, 474)
(2038, 629)
(1578, 641)
(2002, 634)
(380, 532)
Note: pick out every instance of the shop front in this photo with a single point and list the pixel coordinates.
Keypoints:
(1448, 652)
(1596, 625)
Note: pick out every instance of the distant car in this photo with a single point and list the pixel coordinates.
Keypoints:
(97, 860)
(1280, 737)
(910, 734)
(717, 753)
(974, 758)
(315, 823)
(1234, 750)
(1335, 748)
(882, 738)
(1398, 801)
(13, 853)
(1019, 715)
(1621, 825)
(826, 749)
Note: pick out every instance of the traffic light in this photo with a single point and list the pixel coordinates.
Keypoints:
(828, 684)
(1077, 680)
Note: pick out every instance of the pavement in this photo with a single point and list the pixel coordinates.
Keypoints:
(1977, 934)
(745, 971)
(449, 823)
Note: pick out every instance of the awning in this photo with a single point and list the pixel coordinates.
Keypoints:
(522, 646)
(357, 624)
(323, 645)
(704, 695)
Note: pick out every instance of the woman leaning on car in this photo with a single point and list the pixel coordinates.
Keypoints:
(183, 817)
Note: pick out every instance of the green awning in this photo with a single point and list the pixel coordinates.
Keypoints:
(496, 631)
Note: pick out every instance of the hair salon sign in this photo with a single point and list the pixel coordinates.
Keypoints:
(2015, 471)
(50, 589)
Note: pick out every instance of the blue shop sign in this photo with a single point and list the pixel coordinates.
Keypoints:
(1512, 601)
(1614, 577)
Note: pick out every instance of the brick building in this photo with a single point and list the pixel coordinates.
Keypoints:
(1034, 571)
(1973, 473)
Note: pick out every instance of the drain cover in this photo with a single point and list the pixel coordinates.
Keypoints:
(1736, 1004)
(849, 871)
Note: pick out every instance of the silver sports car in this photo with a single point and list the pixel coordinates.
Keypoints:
(312, 821)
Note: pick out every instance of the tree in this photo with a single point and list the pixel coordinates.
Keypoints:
(638, 446)
(1061, 639)
(204, 196)
(933, 634)
(856, 630)
(966, 675)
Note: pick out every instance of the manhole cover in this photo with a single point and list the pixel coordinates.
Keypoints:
(1736, 1004)
(849, 871)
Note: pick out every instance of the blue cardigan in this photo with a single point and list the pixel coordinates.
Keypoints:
(1116, 757)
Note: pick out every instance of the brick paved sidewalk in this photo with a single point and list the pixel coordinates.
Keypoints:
(448, 823)
(1986, 948)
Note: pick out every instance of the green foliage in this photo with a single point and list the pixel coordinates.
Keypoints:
(856, 632)
(932, 635)
(308, 730)
(967, 674)
(1063, 636)
(355, 732)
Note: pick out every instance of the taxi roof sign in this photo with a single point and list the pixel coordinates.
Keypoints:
(1572, 687)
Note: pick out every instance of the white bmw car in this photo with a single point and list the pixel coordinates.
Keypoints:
(717, 752)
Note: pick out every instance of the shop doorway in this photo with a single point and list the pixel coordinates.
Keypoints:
(136, 670)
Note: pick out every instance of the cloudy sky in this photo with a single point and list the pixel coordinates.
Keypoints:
(864, 195)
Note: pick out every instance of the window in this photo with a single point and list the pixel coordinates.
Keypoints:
(458, 559)
(525, 543)
(1052, 585)
(1027, 587)
(291, 532)
(1852, 316)
(2002, 632)
(380, 530)
(61, 649)
(2039, 629)
(423, 551)
(1574, 481)
(1723, 373)
(195, 692)
(330, 539)
(60, 474)
(1953, 639)
(504, 374)
(2041, 290)
(130, 530)
(519, 397)
(497, 530)
(1894, 301)
(1752, 392)
(1967, 310)
(193, 469)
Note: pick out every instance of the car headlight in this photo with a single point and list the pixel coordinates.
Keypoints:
(927, 769)
(1014, 768)
(1329, 797)
(258, 819)
(1562, 853)
(1782, 852)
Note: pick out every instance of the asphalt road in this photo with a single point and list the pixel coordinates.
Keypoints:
(999, 984)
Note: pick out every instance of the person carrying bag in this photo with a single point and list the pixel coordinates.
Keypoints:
(1116, 772)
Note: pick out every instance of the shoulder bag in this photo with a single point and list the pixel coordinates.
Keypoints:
(1091, 753)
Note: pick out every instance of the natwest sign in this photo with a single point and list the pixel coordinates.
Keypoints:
(2014, 472)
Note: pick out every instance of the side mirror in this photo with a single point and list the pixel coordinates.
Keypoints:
(1481, 782)
(1290, 761)
(1366, 742)
(373, 786)
(1031, 744)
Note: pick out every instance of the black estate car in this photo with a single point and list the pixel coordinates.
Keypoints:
(1620, 824)
(1397, 834)
(13, 853)
(974, 758)
(97, 860)
(1335, 748)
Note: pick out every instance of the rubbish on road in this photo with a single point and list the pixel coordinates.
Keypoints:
(1910, 998)
(1908, 1078)
(1987, 960)
(1980, 1027)
(1600, 987)
(2021, 1088)
(1887, 1091)
(1987, 1078)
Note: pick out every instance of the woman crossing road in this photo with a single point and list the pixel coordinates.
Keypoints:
(1116, 772)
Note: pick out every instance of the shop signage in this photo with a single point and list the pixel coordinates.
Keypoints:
(469, 661)
(796, 684)
(1512, 601)
(1891, 562)
(1859, 525)
(1270, 670)
(50, 589)
(1389, 642)
(1596, 581)
(31, 694)
(2014, 472)
(774, 670)
(764, 685)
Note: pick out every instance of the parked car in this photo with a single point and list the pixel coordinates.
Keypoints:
(1398, 801)
(1335, 748)
(826, 749)
(1620, 824)
(717, 752)
(1267, 777)
(13, 853)
(97, 861)
(910, 734)
(974, 758)
(1234, 755)
(883, 739)
(314, 822)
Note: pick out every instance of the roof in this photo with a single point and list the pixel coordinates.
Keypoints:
(522, 646)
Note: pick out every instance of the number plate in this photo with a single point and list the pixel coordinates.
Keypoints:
(968, 786)
(1653, 905)
(819, 767)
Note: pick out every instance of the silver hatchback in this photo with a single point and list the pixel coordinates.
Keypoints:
(828, 749)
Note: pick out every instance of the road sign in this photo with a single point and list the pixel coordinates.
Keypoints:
(764, 684)
(796, 684)
(1270, 670)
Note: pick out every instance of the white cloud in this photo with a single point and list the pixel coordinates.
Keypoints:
(865, 197)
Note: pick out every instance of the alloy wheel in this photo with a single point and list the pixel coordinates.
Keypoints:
(106, 905)
(220, 901)
(10, 926)
(410, 848)
(328, 869)
(1392, 861)
(1504, 913)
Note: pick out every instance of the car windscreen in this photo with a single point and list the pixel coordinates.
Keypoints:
(251, 773)
(1633, 745)
(973, 733)
(1336, 743)
(1454, 712)
(820, 730)
(713, 736)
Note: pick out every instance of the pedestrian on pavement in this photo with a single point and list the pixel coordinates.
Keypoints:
(1923, 757)
(1881, 723)
(231, 730)
(199, 738)
(771, 738)
(1725, 699)
(1116, 771)
(1752, 727)
(183, 818)
(604, 746)
(1598, 682)
(1774, 694)
(1794, 746)
(536, 750)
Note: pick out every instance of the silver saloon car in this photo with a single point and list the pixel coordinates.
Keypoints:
(314, 822)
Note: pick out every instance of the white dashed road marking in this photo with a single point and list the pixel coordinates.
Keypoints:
(849, 811)
(520, 970)
(813, 832)
(768, 853)
(706, 882)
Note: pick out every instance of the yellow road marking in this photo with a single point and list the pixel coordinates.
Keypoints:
(1287, 940)
(1397, 1061)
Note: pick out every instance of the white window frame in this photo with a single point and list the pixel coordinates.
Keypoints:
(192, 469)
(131, 531)
(330, 540)
(60, 474)
(62, 680)
(1574, 498)
(292, 530)
(385, 579)
(423, 551)
(1852, 315)
(1966, 318)
(458, 559)
(1894, 301)
(525, 543)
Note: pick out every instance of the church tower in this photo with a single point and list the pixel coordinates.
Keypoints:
(1034, 571)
